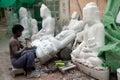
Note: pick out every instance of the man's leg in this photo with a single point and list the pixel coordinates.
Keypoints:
(25, 61)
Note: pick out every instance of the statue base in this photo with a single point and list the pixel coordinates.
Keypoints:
(98, 74)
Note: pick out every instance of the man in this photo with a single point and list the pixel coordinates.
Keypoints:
(20, 56)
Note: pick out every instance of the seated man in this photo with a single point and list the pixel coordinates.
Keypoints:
(93, 38)
(20, 56)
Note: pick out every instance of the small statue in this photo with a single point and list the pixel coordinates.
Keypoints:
(74, 19)
(24, 21)
(92, 38)
(34, 27)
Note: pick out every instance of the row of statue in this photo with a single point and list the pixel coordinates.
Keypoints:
(87, 34)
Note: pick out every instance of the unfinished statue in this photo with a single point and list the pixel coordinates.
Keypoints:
(24, 22)
(74, 19)
(34, 26)
(48, 47)
(93, 38)
(48, 24)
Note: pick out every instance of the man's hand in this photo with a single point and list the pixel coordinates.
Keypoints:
(25, 48)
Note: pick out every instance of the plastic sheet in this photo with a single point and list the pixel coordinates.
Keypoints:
(6, 3)
(110, 53)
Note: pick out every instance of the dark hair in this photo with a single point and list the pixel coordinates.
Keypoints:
(16, 28)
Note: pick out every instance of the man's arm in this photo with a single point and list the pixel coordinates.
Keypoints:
(15, 48)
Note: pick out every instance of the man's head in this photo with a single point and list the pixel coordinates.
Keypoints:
(17, 30)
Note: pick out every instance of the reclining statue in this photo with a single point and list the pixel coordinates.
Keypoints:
(49, 46)
(48, 24)
(92, 38)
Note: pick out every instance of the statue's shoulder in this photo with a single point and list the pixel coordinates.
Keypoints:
(99, 25)
(50, 19)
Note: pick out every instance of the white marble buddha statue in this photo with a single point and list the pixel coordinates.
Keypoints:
(118, 18)
(74, 19)
(48, 24)
(34, 26)
(24, 22)
(48, 47)
(93, 38)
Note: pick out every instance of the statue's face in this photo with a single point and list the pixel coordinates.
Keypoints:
(75, 15)
(23, 12)
(44, 11)
(90, 13)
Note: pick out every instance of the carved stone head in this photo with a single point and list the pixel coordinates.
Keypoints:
(44, 11)
(33, 22)
(91, 12)
(23, 12)
(75, 15)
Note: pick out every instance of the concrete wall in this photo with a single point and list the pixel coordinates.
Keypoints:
(64, 11)
(74, 5)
